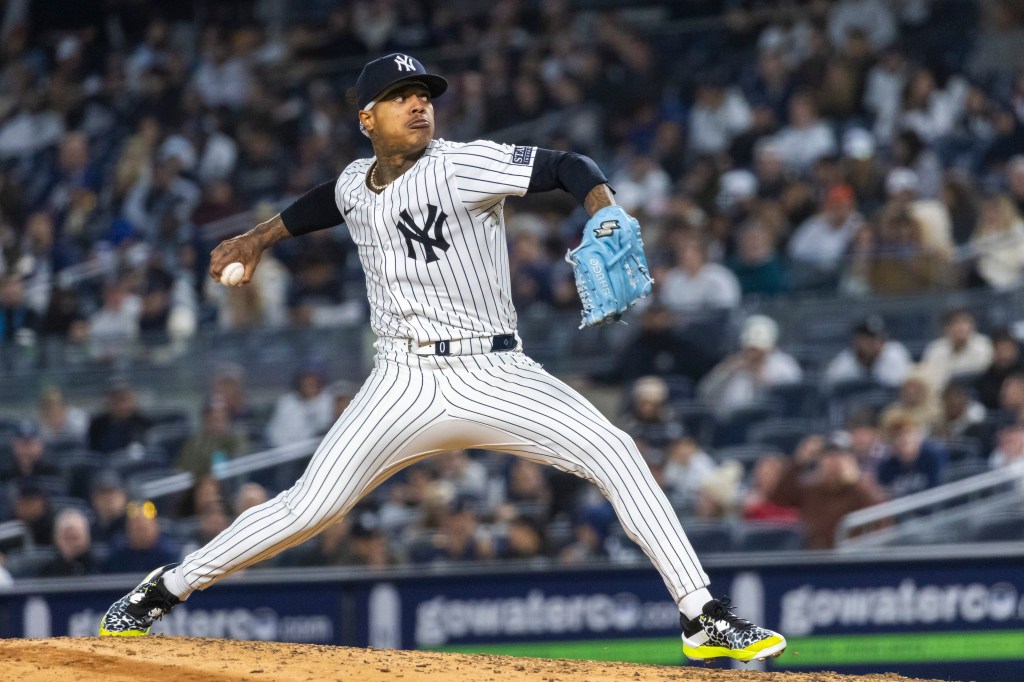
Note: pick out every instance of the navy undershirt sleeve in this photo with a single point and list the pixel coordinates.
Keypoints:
(569, 171)
(314, 210)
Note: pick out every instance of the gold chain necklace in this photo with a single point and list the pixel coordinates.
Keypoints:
(373, 180)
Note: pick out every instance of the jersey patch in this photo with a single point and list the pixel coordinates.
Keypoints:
(521, 156)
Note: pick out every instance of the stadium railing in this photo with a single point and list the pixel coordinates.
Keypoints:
(915, 517)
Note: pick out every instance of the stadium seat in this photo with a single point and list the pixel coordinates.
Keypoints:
(769, 537)
(26, 563)
(798, 400)
(698, 421)
(747, 455)
(784, 434)
(709, 536)
(1008, 527)
(962, 450)
(735, 428)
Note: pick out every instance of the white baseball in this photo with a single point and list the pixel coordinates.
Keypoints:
(232, 274)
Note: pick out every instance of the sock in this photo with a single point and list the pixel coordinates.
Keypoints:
(692, 605)
(175, 583)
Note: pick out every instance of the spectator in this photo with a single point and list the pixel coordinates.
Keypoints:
(959, 412)
(913, 463)
(114, 328)
(865, 440)
(916, 402)
(884, 91)
(642, 185)
(458, 538)
(142, 544)
(27, 455)
(742, 377)
(58, 421)
(121, 424)
(1009, 446)
(526, 488)
(303, 412)
(871, 355)
(757, 499)
(1011, 397)
(757, 265)
(687, 468)
(824, 483)
(216, 441)
(525, 538)
(821, 242)
(210, 521)
(903, 187)
(693, 283)
(587, 543)
(74, 547)
(249, 495)
(807, 138)
(719, 115)
(109, 503)
(649, 420)
(960, 351)
(998, 244)
(872, 17)
(896, 261)
(31, 506)
(719, 496)
(658, 349)
(18, 322)
(467, 475)
(1006, 360)
(931, 112)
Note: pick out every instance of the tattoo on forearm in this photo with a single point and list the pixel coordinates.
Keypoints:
(598, 198)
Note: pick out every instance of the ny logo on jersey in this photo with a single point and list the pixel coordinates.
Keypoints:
(607, 228)
(414, 233)
(404, 63)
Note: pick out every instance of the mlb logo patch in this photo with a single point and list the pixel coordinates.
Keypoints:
(521, 156)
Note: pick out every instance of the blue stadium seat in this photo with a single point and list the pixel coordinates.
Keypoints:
(798, 400)
(784, 434)
(769, 537)
(735, 428)
(1007, 527)
(709, 536)
(27, 562)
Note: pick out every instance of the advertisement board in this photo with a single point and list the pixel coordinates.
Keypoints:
(950, 618)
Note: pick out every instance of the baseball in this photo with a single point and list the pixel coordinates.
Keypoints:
(232, 274)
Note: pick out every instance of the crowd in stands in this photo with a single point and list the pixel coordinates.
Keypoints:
(846, 149)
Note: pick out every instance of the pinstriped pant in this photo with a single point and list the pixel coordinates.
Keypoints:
(414, 406)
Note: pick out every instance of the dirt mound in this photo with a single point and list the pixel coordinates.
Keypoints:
(181, 659)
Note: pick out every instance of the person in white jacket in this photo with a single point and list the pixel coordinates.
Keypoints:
(961, 350)
(871, 355)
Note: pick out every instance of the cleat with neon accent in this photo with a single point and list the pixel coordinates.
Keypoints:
(134, 614)
(719, 633)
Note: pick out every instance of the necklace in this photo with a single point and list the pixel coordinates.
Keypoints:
(374, 185)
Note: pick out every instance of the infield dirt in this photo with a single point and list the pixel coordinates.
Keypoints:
(182, 659)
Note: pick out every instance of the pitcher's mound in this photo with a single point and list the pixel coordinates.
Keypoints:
(184, 659)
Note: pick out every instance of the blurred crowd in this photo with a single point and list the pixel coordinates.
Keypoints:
(853, 148)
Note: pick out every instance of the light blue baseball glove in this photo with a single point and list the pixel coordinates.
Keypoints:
(610, 266)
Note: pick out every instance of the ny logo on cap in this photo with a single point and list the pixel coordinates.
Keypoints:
(404, 63)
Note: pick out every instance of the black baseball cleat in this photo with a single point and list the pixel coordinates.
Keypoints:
(719, 633)
(134, 614)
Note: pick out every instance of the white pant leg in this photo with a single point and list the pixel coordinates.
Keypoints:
(537, 416)
(386, 427)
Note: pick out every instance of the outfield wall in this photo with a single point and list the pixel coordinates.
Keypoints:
(946, 615)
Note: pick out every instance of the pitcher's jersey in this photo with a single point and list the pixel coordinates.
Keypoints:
(432, 244)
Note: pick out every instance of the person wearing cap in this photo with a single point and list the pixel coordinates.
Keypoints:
(427, 217)
(902, 187)
(109, 503)
(28, 454)
(741, 378)
(819, 244)
(121, 423)
(31, 506)
(871, 355)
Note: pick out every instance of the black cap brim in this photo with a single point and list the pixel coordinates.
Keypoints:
(436, 85)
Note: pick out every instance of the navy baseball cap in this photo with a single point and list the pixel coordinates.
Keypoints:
(383, 74)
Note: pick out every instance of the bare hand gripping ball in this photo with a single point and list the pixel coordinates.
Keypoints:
(232, 274)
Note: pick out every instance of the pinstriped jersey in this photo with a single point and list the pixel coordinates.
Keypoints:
(432, 244)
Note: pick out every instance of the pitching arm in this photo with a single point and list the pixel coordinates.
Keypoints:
(574, 173)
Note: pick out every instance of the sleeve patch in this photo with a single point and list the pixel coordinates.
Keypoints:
(521, 156)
